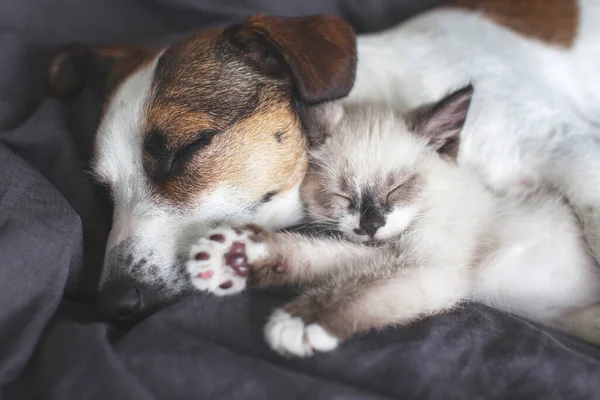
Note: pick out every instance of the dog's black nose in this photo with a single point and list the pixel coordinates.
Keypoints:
(121, 301)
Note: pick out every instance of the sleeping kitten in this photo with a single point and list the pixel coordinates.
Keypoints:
(424, 234)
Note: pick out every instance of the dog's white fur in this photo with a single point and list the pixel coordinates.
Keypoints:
(534, 117)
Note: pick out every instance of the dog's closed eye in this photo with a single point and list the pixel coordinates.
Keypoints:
(164, 161)
(181, 156)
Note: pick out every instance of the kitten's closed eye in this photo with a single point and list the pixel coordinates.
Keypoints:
(392, 194)
(343, 199)
(403, 191)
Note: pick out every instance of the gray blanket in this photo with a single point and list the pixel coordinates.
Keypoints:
(53, 223)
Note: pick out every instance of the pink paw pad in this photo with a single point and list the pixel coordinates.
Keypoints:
(281, 267)
(226, 284)
(217, 237)
(236, 259)
(206, 274)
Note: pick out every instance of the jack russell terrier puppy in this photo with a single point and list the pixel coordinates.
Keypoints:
(215, 129)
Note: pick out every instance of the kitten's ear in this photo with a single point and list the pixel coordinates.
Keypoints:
(441, 122)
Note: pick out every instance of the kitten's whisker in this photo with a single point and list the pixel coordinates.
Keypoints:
(325, 166)
(325, 224)
(325, 219)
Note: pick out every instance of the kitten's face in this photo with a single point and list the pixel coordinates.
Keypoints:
(371, 177)
(367, 179)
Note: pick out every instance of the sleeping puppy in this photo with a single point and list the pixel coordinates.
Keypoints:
(209, 130)
(216, 128)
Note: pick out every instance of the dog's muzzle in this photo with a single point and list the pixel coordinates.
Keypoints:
(135, 285)
(125, 300)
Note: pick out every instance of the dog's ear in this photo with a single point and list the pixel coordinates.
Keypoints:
(441, 122)
(103, 67)
(317, 52)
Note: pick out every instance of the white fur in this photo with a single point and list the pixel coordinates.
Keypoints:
(348, 223)
(283, 211)
(215, 265)
(397, 221)
(525, 90)
(543, 268)
(119, 136)
(289, 335)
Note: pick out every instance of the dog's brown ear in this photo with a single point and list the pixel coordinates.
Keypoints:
(104, 67)
(318, 52)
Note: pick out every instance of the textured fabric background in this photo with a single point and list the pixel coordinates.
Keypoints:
(53, 223)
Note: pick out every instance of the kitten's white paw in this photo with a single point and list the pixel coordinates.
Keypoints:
(219, 262)
(289, 335)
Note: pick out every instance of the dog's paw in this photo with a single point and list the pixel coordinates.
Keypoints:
(220, 261)
(289, 335)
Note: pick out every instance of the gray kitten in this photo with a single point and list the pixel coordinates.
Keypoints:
(422, 234)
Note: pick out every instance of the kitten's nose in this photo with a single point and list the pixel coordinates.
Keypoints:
(371, 222)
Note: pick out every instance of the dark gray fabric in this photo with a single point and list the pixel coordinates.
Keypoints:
(33, 264)
(201, 347)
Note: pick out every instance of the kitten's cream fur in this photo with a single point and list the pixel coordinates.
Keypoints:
(446, 238)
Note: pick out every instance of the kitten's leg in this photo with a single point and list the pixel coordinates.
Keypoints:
(583, 323)
(228, 259)
(324, 316)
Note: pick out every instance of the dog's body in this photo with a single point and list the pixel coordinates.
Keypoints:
(214, 129)
(530, 96)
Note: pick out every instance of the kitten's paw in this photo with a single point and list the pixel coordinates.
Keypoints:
(289, 335)
(220, 261)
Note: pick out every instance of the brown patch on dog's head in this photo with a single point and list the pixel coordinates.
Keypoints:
(227, 105)
(551, 21)
(104, 67)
